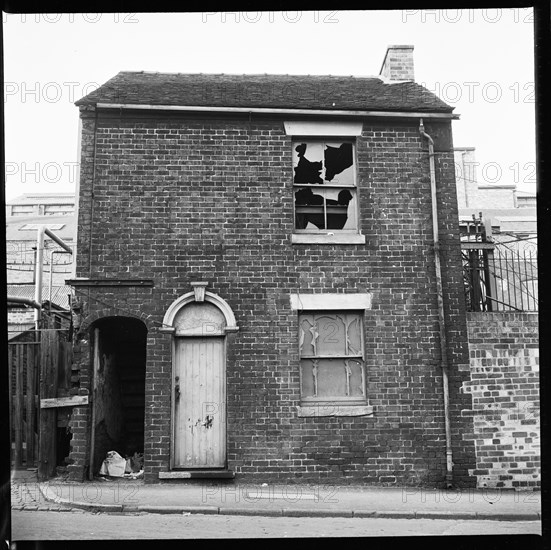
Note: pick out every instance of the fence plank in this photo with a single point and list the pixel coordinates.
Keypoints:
(31, 374)
(18, 407)
(48, 417)
(71, 401)
(11, 375)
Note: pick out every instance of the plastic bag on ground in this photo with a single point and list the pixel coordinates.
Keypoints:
(114, 465)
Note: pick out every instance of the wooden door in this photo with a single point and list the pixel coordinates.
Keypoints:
(199, 403)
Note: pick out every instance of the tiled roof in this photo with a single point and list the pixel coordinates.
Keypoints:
(269, 91)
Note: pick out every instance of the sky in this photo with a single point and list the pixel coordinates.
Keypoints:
(478, 61)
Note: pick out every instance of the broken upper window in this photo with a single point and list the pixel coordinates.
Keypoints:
(332, 364)
(324, 185)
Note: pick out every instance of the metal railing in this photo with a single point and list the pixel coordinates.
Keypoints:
(500, 279)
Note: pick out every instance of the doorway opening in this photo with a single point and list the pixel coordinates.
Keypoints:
(118, 406)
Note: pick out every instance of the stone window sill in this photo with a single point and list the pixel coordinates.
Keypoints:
(325, 238)
(334, 410)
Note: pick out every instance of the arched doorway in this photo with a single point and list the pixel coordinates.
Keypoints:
(118, 388)
(199, 322)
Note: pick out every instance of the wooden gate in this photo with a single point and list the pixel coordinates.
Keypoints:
(23, 361)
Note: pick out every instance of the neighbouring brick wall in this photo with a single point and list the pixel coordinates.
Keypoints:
(180, 198)
(495, 198)
(504, 384)
(20, 316)
(466, 179)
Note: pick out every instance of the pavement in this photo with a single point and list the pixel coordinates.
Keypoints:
(128, 496)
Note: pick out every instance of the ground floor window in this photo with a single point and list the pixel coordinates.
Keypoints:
(332, 366)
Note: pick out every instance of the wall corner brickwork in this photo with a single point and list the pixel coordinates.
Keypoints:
(504, 385)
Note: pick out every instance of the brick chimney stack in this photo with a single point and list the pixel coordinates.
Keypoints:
(398, 63)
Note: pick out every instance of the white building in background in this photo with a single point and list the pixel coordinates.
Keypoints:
(499, 241)
(504, 208)
(24, 216)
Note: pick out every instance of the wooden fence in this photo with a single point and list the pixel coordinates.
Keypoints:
(24, 361)
(40, 374)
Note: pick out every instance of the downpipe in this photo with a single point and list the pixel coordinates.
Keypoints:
(441, 318)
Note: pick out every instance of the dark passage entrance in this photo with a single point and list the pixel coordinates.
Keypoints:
(119, 356)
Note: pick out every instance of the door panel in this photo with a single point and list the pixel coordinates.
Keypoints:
(199, 393)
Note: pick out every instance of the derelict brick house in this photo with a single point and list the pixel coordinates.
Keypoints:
(257, 288)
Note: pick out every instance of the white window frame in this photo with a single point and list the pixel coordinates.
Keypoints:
(333, 302)
(311, 131)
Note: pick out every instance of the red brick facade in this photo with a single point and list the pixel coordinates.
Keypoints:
(504, 384)
(175, 198)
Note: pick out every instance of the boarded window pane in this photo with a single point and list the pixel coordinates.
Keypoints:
(354, 328)
(306, 336)
(332, 336)
(324, 334)
(332, 378)
(356, 382)
(307, 376)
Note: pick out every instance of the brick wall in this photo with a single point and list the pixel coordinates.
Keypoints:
(398, 63)
(466, 177)
(505, 389)
(497, 197)
(179, 199)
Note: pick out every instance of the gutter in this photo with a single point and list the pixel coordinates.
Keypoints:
(275, 111)
(441, 318)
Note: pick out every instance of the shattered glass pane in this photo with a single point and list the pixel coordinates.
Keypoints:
(308, 162)
(339, 161)
(341, 208)
(317, 163)
(309, 209)
(325, 209)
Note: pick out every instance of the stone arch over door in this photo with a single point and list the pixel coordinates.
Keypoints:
(199, 322)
